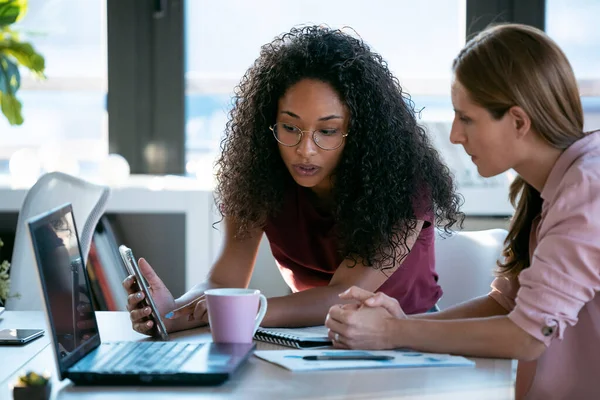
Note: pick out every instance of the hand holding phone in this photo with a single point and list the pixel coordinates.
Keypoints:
(19, 336)
(133, 269)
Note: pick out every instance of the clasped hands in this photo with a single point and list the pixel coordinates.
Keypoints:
(364, 323)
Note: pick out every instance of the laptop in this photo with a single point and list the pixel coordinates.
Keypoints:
(79, 352)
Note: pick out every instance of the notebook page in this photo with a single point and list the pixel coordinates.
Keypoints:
(311, 333)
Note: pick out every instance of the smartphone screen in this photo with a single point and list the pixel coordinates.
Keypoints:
(133, 268)
(19, 336)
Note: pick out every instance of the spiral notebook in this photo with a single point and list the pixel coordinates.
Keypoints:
(300, 338)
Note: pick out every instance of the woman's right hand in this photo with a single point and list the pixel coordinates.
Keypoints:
(371, 299)
(138, 312)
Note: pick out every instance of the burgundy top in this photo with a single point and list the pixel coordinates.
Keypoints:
(305, 248)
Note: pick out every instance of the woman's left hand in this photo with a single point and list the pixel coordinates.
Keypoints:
(355, 326)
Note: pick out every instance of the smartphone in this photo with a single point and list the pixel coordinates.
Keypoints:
(19, 336)
(133, 269)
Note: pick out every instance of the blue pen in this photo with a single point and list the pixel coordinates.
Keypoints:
(348, 357)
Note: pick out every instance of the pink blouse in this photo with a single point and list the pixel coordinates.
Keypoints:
(556, 299)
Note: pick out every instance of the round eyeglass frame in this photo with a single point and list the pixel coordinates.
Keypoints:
(272, 128)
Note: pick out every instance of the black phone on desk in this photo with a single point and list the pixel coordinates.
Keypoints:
(19, 336)
(134, 269)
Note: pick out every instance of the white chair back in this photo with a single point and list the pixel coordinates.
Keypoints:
(465, 262)
(51, 190)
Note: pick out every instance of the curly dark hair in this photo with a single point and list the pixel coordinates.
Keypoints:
(387, 159)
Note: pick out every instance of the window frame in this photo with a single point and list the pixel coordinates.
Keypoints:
(146, 84)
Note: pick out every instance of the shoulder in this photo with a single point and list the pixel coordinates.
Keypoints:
(575, 206)
(584, 167)
(580, 183)
(423, 206)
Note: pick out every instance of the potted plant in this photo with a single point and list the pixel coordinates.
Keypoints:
(4, 279)
(32, 386)
(14, 53)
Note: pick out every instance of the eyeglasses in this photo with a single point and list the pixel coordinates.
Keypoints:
(290, 136)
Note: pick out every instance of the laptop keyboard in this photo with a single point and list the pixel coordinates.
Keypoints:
(142, 357)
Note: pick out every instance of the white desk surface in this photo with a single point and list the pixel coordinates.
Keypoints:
(12, 358)
(490, 379)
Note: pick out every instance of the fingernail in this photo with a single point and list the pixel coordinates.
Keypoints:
(169, 315)
(139, 295)
(147, 309)
(149, 324)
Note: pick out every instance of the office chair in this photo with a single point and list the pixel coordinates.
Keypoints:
(465, 262)
(51, 190)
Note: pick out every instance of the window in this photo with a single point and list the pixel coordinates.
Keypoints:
(574, 26)
(65, 116)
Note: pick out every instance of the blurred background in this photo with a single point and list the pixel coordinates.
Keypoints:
(151, 80)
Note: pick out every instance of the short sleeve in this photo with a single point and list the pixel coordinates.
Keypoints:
(564, 273)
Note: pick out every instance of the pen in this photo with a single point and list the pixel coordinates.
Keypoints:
(349, 357)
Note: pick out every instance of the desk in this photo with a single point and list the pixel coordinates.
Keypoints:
(13, 358)
(490, 379)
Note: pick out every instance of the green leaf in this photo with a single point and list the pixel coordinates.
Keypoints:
(11, 11)
(25, 55)
(6, 33)
(11, 108)
(10, 78)
(14, 53)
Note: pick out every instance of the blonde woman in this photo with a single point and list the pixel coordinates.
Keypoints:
(517, 106)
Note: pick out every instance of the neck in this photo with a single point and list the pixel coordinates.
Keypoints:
(536, 168)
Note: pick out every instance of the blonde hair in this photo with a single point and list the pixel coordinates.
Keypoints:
(517, 65)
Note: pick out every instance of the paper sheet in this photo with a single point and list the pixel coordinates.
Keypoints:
(293, 359)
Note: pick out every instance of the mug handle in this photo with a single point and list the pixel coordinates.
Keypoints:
(261, 312)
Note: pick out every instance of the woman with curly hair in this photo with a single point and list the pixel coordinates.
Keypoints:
(322, 153)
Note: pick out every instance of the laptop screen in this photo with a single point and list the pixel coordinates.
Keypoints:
(65, 284)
